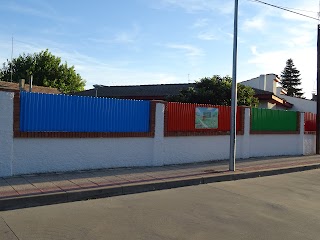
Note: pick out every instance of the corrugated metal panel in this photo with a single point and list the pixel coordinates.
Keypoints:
(310, 120)
(273, 120)
(63, 113)
(181, 117)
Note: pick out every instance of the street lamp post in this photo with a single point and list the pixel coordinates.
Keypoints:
(232, 160)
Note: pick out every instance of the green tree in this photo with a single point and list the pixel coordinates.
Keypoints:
(216, 91)
(47, 70)
(290, 80)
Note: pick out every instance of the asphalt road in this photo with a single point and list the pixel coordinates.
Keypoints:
(277, 207)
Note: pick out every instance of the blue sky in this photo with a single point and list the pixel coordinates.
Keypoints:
(125, 42)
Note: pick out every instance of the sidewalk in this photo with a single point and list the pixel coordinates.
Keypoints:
(44, 189)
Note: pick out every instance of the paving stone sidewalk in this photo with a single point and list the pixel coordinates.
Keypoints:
(53, 184)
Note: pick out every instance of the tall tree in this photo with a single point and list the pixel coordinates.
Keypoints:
(217, 91)
(47, 70)
(290, 79)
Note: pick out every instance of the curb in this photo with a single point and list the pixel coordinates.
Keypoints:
(104, 192)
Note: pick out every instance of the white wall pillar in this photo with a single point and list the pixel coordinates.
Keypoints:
(158, 145)
(6, 133)
(246, 134)
(301, 137)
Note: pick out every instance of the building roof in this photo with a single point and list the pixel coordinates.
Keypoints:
(146, 90)
(11, 86)
(155, 90)
(161, 91)
(258, 91)
(271, 97)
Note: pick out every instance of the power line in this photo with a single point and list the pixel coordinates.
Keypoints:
(285, 9)
(302, 10)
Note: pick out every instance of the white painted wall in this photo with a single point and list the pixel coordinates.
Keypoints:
(301, 105)
(266, 82)
(268, 105)
(274, 145)
(6, 133)
(179, 150)
(258, 82)
(63, 154)
(32, 155)
(309, 144)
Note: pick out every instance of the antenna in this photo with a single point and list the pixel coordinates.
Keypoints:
(188, 77)
(11, 57)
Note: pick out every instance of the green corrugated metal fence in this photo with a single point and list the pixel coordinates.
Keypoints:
(273, 120)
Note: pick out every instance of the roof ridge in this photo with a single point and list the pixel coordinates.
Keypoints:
(144, 85)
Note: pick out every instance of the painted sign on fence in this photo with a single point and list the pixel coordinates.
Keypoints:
(181, 117)
(206, 118)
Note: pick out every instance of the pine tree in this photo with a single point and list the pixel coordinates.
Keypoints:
(290, 80)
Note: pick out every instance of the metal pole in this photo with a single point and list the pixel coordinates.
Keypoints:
(318, 94)
(30, 84)
(11, 58)
(232, 161)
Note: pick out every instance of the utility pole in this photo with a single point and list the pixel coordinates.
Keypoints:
(233, 130)
(318, 94)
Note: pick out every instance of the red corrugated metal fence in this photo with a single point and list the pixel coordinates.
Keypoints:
(310, 121)
(181, 117)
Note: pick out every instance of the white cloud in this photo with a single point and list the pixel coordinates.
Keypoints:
(93, 70)
(309, 7)
(301, 36)
(124, 37)
(285, 35)
(254, 50)
(98, 71)
(200, 23)
(119, 76)
(224, 7)
(128, 36)
(35, 8)
(256, 23)
(207, 36)
(189, 50)
(226, 34)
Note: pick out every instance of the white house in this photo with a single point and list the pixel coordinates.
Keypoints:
(265, 87)
(273, 96)
(299, 104)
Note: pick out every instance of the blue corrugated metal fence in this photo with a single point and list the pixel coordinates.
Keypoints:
(62, 113)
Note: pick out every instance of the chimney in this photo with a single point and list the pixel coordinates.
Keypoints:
(271, 83)
(262, 82)
(21, 84)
